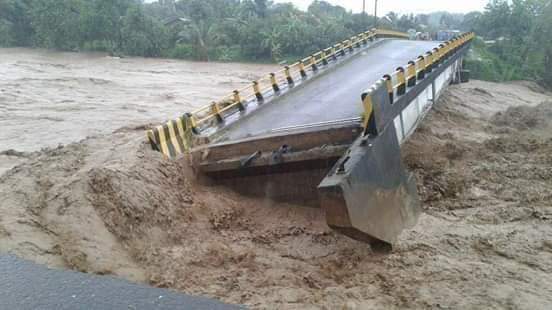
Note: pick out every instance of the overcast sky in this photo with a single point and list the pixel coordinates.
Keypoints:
(403, 6)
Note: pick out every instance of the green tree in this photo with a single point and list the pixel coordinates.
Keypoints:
(471, 21)
(543, 35)
(101, 22)
(6, 38)
(15, 22)
(264, 30)
(141, 34)
(57, 23)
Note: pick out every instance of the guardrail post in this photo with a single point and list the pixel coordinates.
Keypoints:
(354, 42)
(389, 85)
(421, 66)
(324, 57)
(369, 121)
(428, 62)
(215, 109)
(401, 87)
(237, 99)
(289, 79)
(302, 69)
(153, 141)
(257, 91)
(313, 63)
(334, 53)
(436, 58)
(411, 74)
(274, 83)
(442, 52)
(191, 121)
(446, 50)
(342, 49)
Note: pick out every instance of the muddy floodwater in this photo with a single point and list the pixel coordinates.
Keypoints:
(110, 205)
(48, 98)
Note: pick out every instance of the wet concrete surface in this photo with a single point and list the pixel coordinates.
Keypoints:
(25, 285)
(333, 96)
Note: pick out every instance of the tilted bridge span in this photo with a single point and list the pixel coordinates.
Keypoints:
(326, 131)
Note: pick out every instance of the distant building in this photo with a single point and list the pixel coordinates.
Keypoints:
(417, 35)
(445, 35)
(424, 36)
(412, 34)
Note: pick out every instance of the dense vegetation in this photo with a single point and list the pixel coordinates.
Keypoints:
(260, 30)
(518, 41)
(194, 29)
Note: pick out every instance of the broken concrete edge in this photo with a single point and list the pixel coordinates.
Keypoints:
(216, 157)
(276, 157)
(369, 195)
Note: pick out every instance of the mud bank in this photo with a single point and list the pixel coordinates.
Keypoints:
(483, 158)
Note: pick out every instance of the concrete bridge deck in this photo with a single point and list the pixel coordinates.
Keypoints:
(334, 95)
(333, 139)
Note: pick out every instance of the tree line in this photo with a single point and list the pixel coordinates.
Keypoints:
(195, 29)
(516, 35)
(515, 41)
(192, 29)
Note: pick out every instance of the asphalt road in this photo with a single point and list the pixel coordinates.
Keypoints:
(25, 285)
(335, 95)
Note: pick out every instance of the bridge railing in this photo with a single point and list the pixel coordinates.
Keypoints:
(176, 136)
(402, 80)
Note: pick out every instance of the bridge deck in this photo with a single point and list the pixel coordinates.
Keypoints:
(335, 95)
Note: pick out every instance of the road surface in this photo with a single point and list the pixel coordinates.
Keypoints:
(333, 96)
(26, 285)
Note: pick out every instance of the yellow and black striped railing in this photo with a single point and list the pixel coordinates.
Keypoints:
(404, 78)
(176, 136)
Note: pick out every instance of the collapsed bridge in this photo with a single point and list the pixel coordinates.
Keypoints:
(326, 130)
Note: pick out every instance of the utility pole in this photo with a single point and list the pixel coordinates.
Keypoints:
(364, 16)
(376, 14)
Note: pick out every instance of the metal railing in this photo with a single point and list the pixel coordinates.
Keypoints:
(176, 136)
(403, 78)
(287, 76)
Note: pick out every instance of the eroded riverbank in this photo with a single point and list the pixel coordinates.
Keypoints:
(110, 205)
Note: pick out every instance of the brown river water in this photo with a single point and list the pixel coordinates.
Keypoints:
(49, 98)
(110, 205)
